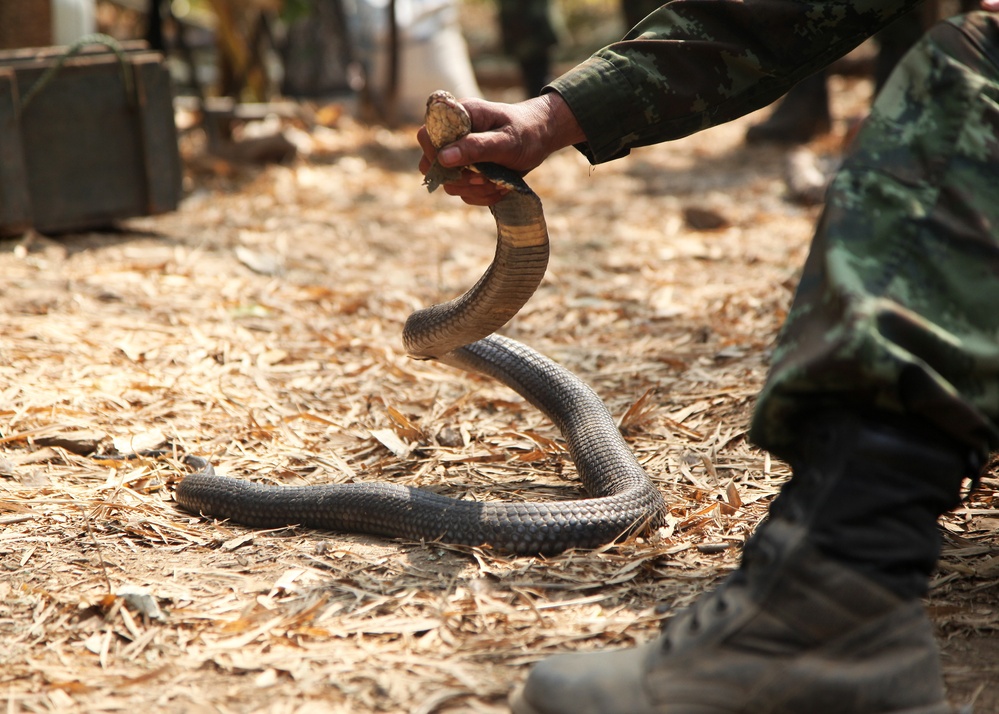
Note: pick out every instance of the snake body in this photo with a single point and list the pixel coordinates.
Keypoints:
(622, 498)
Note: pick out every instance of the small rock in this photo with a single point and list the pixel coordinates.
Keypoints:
(450, 437)
(704, 219)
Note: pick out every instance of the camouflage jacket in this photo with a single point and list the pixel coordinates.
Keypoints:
(693, 64)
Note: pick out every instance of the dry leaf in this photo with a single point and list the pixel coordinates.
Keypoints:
(732, 494)
(137, 443)
(405, 428)
(391, 441)
(258, 261)
(77, 441)
(141, 600)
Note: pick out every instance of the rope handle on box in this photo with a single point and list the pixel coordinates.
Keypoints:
(94, 39)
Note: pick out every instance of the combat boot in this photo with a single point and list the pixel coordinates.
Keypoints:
(792, 632)
(822, 617)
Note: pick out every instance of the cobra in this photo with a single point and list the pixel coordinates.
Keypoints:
(621, 498)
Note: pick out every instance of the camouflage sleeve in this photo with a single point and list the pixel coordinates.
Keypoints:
(696, 63)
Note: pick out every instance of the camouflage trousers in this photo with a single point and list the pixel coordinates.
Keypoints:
(898, 305)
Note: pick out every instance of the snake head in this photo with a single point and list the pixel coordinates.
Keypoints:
(446, 121)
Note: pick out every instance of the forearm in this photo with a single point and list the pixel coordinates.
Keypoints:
(697, 63)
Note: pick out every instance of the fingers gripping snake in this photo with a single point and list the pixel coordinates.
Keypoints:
(622, 497)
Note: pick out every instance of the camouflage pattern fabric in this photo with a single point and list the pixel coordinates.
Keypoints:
(898, 307)
(898, 304)
(692, 64)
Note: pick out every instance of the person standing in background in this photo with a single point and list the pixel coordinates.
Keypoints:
(528, 34)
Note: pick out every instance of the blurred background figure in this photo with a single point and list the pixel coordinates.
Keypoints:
(634, 11)
(319, 54)
(803, 113)
(528, 32)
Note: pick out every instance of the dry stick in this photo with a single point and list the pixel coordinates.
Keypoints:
(100, 555)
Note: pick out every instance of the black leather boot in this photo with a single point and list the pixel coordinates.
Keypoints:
(822, 616)
(869, 489)
(802, 115)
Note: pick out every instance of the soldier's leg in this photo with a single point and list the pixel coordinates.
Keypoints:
(895, 318)
(800, 116)
(528, 35)
(884, 397)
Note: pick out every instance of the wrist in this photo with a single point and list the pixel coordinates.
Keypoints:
(560, 123)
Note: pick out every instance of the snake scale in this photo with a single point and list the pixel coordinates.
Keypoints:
(622, 499)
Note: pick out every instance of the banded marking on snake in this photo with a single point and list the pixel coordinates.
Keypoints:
(622, 499)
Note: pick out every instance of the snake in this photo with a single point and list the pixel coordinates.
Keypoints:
(621, 499)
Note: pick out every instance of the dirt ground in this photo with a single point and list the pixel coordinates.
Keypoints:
(259, 326)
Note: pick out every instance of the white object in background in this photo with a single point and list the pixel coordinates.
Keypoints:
(433, 53)
(72, 19)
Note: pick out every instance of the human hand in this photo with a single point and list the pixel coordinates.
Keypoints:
(990, 5)
(519, 136)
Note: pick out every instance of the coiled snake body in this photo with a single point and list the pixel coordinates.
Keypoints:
(622, 497)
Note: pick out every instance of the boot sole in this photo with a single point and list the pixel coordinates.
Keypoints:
(519, 705)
